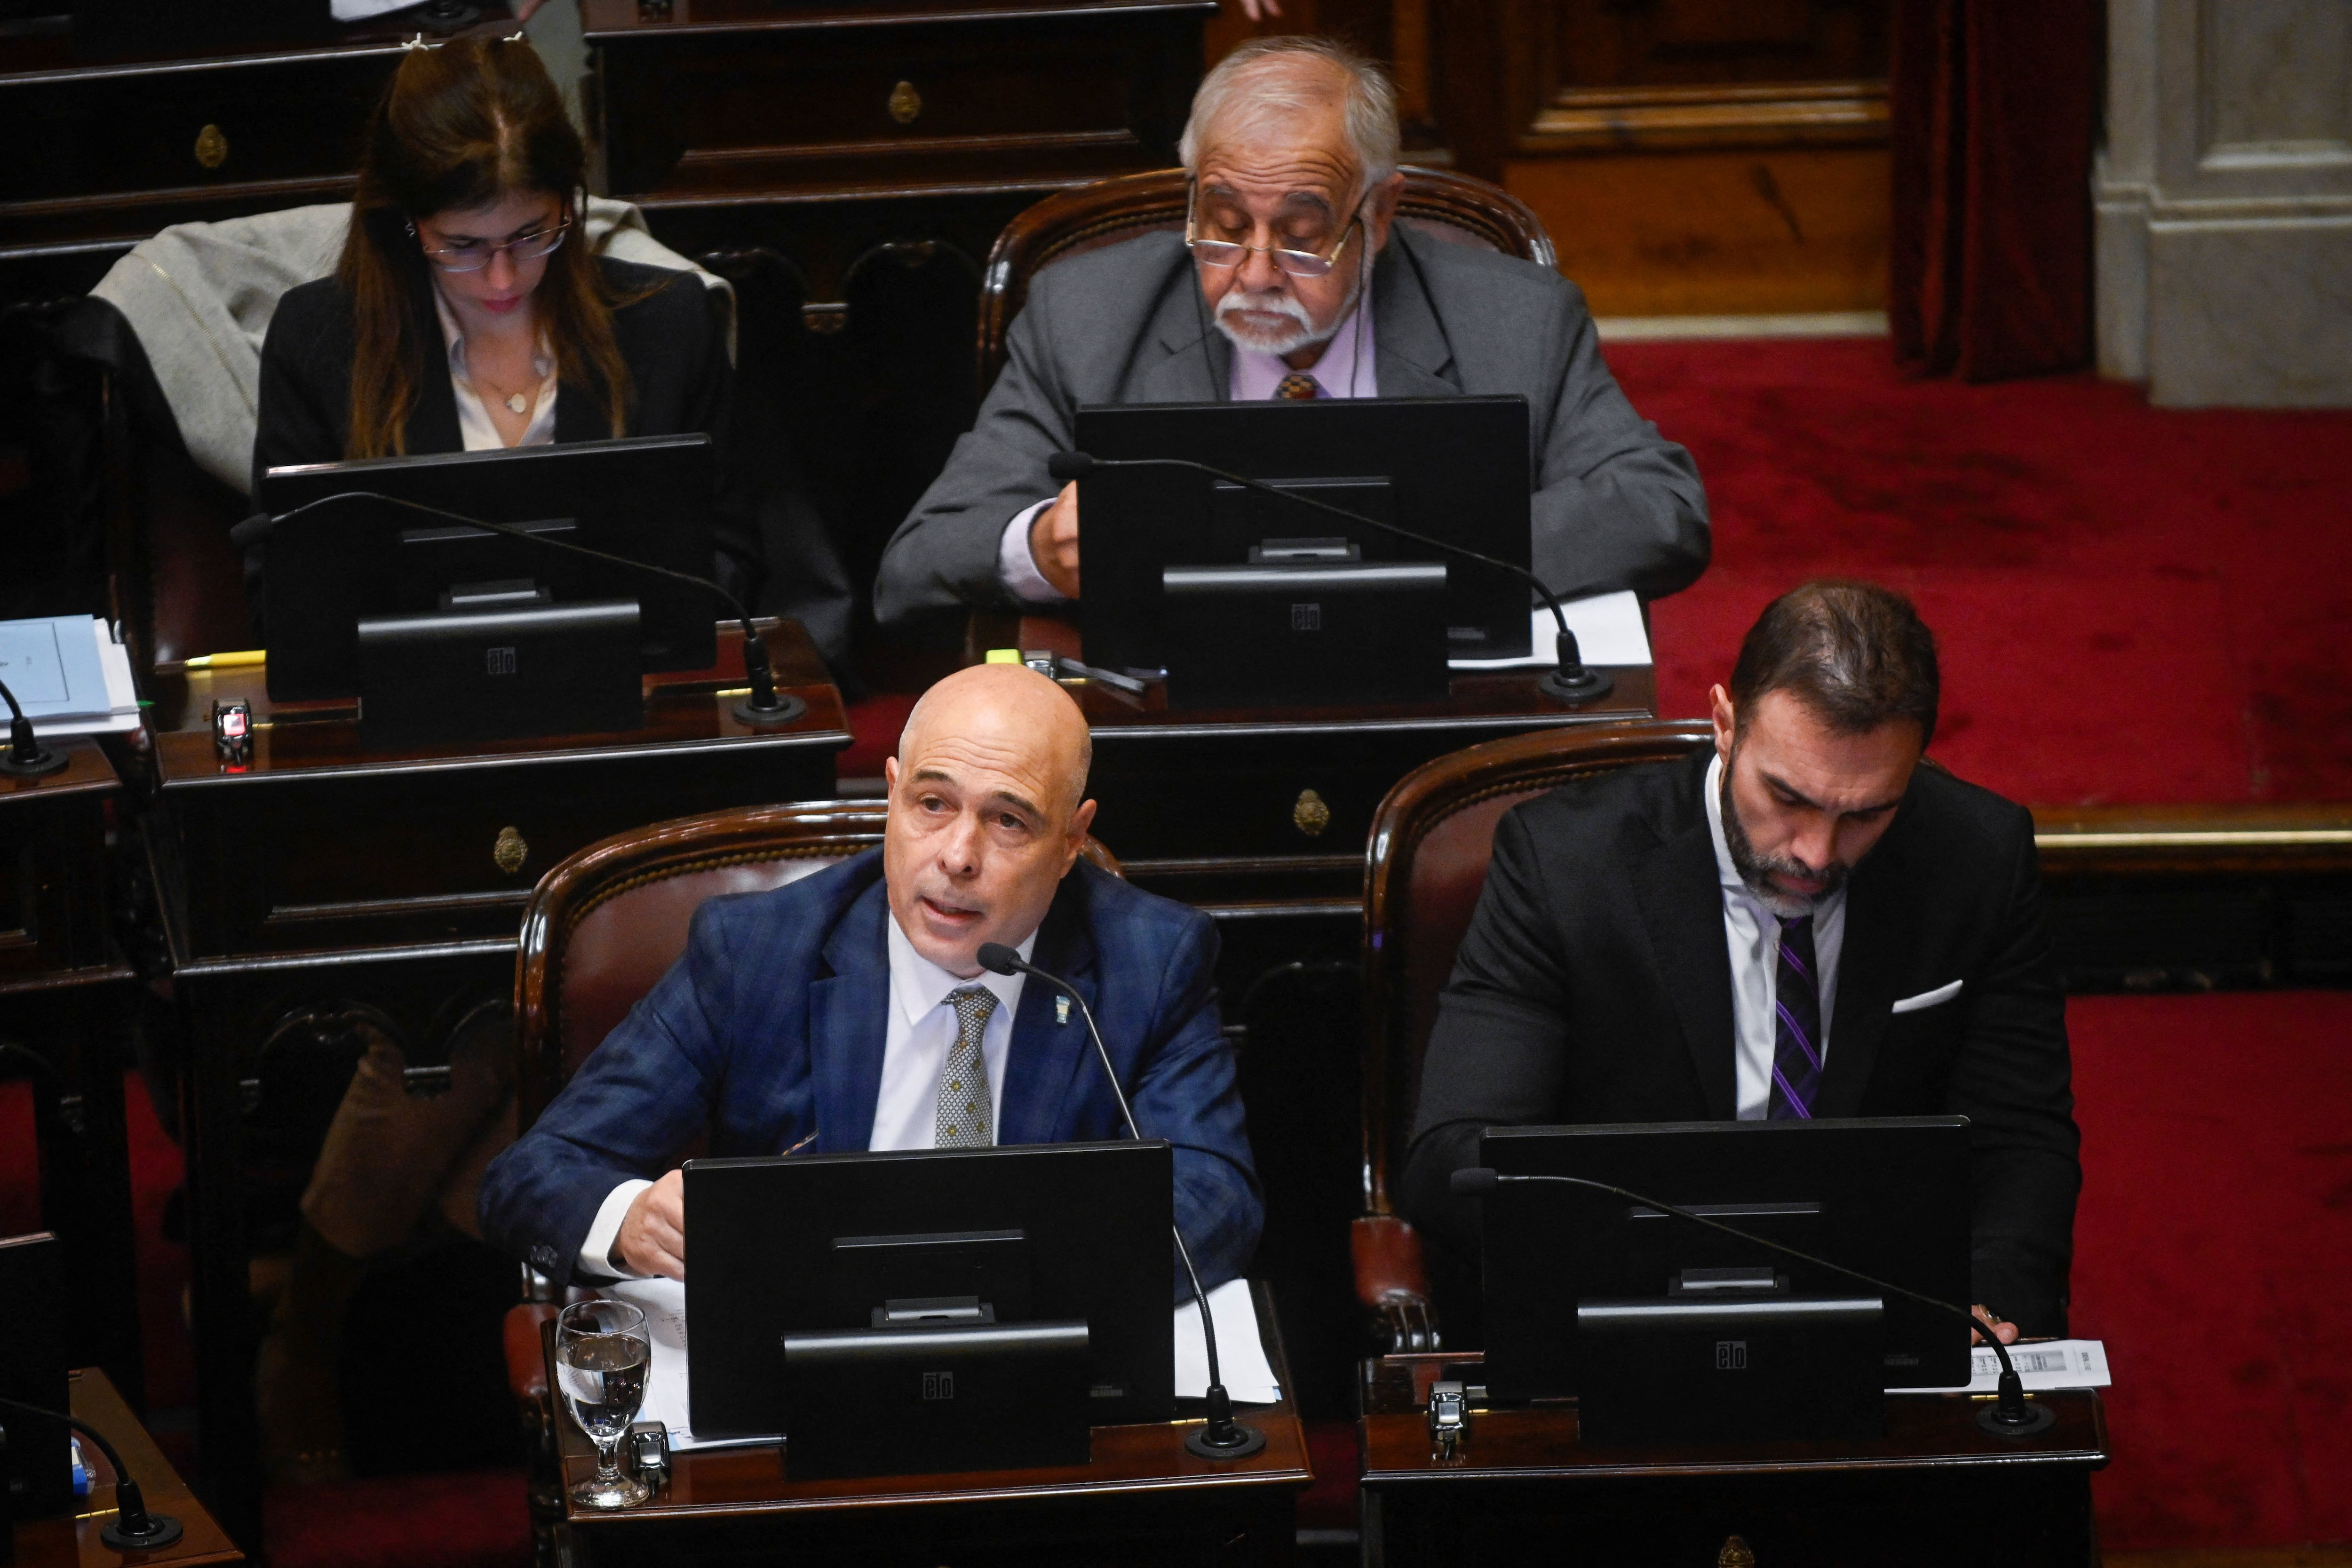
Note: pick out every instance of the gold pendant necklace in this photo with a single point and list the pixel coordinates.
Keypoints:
(518, 402)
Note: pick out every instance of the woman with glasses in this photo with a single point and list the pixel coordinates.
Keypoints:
(467, 312)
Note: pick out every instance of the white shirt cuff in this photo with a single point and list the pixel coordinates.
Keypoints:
(596, 1252)
(1018, 567)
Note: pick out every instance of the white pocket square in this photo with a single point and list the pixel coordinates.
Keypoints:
(1926, 999)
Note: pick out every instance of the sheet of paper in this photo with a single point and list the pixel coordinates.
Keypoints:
(54, 667)
(2058, 1363)
(1248, 1377)
(1240, 1354)
(1608, 628)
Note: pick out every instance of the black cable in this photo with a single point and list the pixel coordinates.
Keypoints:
(134, 1528)
(26, 757)
(2011, 1404)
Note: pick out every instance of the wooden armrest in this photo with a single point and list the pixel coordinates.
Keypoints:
(1393, 1282)
(526, 1349)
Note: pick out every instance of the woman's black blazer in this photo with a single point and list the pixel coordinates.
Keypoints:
(671, 341)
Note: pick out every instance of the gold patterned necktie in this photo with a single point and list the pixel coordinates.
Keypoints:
(1298, 386)
(962, 1119)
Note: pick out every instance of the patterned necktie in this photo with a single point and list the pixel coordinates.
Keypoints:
(1796, 1025)
(1298, 386)
(962, 1119)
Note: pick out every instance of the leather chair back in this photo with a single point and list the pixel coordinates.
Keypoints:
(1430, 844)
(1445, 205)
(605, 925)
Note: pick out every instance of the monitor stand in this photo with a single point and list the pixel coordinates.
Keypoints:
(1305, 623)
(500, 661)
(1729, 1364)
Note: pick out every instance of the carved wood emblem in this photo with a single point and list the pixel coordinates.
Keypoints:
(212, 147)
(509, 852)
(905, 103)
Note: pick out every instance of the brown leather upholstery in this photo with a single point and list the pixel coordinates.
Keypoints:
(1451, 207)
(1429, 842)
(605, 925)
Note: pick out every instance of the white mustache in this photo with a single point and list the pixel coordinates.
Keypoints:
(1268, 303)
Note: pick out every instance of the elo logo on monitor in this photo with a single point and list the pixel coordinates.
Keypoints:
(499, 660)
(938, 1385)
(1730, 1356)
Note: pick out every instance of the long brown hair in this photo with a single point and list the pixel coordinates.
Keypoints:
(462, 125)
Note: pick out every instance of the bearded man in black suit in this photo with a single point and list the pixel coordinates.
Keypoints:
(1809, 920)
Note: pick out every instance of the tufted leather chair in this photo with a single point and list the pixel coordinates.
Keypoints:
(1425, 869)
(1445, 205)
(601, 929)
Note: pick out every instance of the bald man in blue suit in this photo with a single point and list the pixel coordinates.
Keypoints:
(848, 1011)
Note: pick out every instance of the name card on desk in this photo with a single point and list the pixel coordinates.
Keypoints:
(2052, 1365)
(1249, 1378)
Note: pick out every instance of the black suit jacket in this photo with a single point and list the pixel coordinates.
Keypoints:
(670, 339)
(1594, 985)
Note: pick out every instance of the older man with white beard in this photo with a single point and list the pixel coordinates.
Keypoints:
(1292, 279)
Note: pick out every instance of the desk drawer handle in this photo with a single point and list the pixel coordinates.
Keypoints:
(212, 147)
(509, 852)
(1311, 815)
(905, 103)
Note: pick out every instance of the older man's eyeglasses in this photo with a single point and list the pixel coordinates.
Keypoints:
(475, 254)
(1223, 253)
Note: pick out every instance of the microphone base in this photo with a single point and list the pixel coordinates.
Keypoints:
(161, 1530)
(45, 761)
(1583, 684)
(1196, 1443)
(2039, 1418)
(787, 710)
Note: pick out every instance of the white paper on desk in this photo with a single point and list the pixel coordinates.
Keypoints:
(1241, 1355)
(2057, 1364)
(121, 695)
(1608, 628)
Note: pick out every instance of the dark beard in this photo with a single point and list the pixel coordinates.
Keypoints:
(1757, 869)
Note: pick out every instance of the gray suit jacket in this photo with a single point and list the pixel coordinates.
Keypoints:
(1616, 505)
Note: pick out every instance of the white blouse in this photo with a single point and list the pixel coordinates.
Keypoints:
(474, 423)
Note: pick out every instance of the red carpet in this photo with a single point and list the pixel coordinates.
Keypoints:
(2214, 1257)
(2134, 604)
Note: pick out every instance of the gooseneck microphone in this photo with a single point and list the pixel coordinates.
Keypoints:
(764, 706)
(2010, 1416)
(133, 1528)
(1222, 1437)
(26, 757)
(1571, 680)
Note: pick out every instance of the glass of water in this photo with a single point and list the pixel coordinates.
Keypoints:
(602, 1353)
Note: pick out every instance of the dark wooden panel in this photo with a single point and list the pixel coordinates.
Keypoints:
(819, 102)
(53, 833)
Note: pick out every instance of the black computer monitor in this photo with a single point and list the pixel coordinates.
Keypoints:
(648, 499)
(1456, 468)
(931, 1310)
(1887, 1197)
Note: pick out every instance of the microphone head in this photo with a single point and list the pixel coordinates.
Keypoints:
(1067, 466)
(1469, 1183)
(999, 959)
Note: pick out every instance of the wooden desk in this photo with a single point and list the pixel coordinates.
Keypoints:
(1934, 1489)
(70, 1541)
(1141, 1499)
(319, 888)
(65, 990)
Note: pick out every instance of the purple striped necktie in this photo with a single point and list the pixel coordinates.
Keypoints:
(1796, 1025)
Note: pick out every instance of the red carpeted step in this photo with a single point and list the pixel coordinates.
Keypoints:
(2134, 604)
(469, 1519)
(2213, 1254)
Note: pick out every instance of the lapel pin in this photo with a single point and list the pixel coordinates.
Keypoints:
(1061, 1010)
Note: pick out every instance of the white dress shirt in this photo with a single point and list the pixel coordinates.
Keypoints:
(915, 1044)
(474, 424)
(1753, 934)
(1346, 370)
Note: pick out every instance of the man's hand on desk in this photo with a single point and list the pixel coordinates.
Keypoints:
(2002, 1326)
(653, 1236)
(1054, 542)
